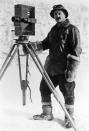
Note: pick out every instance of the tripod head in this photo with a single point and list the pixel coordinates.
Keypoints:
(22, 40)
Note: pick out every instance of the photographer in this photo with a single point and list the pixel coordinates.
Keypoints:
(63, 42)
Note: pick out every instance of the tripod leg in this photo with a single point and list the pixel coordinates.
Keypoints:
(22, 82)
(4, 64)
(49, 82)
(27, 67)
(8, 60)
(24, 97)
(19, 63)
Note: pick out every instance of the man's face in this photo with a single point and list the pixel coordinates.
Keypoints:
(59, 16)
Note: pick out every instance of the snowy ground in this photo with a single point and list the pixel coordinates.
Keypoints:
(16, 117)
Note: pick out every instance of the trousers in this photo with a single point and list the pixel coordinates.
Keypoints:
(67, 89)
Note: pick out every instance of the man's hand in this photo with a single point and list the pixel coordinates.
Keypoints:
(36, 46)
(70, 75)
(71, 70)
(30, 46)
(25, 50)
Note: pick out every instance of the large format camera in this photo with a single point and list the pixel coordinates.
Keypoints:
(24, 20)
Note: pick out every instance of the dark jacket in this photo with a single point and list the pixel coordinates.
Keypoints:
(62, 41)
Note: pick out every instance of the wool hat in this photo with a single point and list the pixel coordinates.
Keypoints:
(58, 7)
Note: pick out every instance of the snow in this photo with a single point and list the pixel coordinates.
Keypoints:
(13, 115)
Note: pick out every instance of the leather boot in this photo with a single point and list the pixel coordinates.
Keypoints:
(70, 110)
(46, 114)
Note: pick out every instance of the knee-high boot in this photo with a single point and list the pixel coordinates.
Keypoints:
(70, 109)
(46, 112)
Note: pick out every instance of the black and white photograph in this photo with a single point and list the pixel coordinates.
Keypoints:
(44, 65)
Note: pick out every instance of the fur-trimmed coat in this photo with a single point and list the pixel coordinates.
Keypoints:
(63, 42)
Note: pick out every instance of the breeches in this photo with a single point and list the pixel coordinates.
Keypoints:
(67, 89)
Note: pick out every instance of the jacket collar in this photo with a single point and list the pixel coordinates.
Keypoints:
(63, 24)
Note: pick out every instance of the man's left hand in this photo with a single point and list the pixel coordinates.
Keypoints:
(70, 75)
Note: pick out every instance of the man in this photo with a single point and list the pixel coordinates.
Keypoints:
(63, 42)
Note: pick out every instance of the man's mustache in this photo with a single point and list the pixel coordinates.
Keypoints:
(57, 18)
